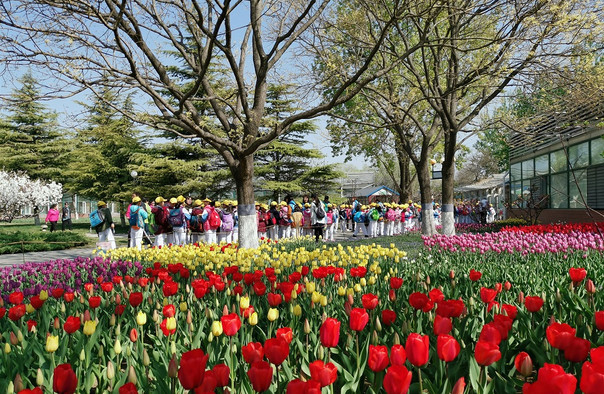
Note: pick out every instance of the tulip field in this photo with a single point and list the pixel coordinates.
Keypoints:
(519, 310)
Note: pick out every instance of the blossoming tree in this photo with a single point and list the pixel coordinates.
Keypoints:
(18, 190)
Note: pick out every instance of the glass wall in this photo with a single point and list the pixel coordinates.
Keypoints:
(565, 190)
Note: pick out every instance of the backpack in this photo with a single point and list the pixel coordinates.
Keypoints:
(320, 211)
(96, 218)
(214, 219)
(359, 217)
(136, 220)
(227, 222)
(176, 217)
(194, 222)
(283, 219)
(375, 215)
(329, 218)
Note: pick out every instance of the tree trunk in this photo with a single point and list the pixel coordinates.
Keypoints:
(425, 190)
(248, 228)
(448, 171)
(122, 213)
(404, 165)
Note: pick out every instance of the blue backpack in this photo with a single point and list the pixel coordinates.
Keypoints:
(96, 218)
(359, 217)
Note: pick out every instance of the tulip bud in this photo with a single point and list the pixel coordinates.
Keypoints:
(210, 337)
(191, 328)
(63, 307)
(110, 371)
(428, 280)
(558, 296)
(552, 320)
(471, 301)
(524, 364)
(133, 335)
(460, 386)
(216, 328)
(321, 353)
(374, 338)
(173, 347)
(451, 274)
(13, 339)
(507, 285)
(18, 383)
(579, 320)
(112, 320)
(189, 319)
(86, 316)
(350, 299)
(118, 299)
(397, 339)
(82, 355)
(118, 330)
(155, 316)
(146, 360)
(101, 351)
(225, 311)
(39, 378)
(11, 388)
(56, 323)
(378, 324)
(132, 374)
(521, 298)
(306, 326)
(590, 287)
(128, 351)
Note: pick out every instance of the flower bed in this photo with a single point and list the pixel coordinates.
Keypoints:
(289, 318)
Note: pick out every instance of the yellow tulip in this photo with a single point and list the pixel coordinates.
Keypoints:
(117, 347)
(244, 302)
(183, 306)
(52, 343)
(29, 308)
(341, 291)
(310, 287)
(170, 323)
(216, 328)
(7, 348)
(297, 310)
(89, 327)
(363, 282)
(323, 300)
(273, 314)
(357, 288)
(141, 318)
(316, 297)
(253, 319)
(43, 295)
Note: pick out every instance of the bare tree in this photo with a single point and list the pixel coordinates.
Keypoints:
(88, 44)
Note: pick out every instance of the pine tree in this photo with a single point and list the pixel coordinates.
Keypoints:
(30, 140)
(286, 166)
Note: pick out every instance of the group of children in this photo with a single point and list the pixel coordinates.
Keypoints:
(181, 220)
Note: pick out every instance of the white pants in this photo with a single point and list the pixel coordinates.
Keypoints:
(329, 229)
(343, 225)
(372, 228)
(361, 227)
(261, 235)
(285, 232)
(307, 231)
(380, 228)
(273, 232)
(180, 235)
(296, 232)
(170, 238)
(107, 236)
(160, 239)
(209, 236)
(196, 238)
(225, 237)
(136, 238)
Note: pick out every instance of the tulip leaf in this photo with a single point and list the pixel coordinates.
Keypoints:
(474, 373)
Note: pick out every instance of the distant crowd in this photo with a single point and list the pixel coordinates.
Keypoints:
(181, 220)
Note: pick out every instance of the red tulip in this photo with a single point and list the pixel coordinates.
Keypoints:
(442, 325)
(36, 302)
(135, 299)
(600, 320)
(286, 333)
(107, 287)
(330, 332)
(397, 380)
(68, 297)
(504, 324)
(436, 296)
(398, 356)
(36, 390)
(370, 301)
(490, 333)
(460, 386)
(487, 295)
(577, 350)
(590, 287)
(133, 335)
(252, 352)
(551, 378)
(64, 380)
(164, 327)
(450, 308)
(396, 283)
(475, 275)
(57, 293)
(170, 288)
(486, 353)
(276, 350)
(221, 373)
(418, 349)
(169, 310)
(510, 310)
(88, 287)
(94, 302)
(128, 388)
(323, 373)
(274, 299)
(507, 285)
(298, 386)
(378, 358)
(533, 303)
(358, 319)
(31, 324)
(259, 288)
(418, 300)
(192, 368)
(72, 324)
(260, 375)
(16, 312)
(592, 378)
(560, 335)
(447, 348)
(523, 364)
(231, 324)
(119, 309)
(577, 274)
(388, 317)
(15, 297)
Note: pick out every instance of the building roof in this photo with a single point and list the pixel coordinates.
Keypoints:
(376, 190)
(487, 183)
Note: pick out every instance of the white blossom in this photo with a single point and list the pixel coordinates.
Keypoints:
(18, 190)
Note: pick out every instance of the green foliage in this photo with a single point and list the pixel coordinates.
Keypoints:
(30, 139)
(10, 241)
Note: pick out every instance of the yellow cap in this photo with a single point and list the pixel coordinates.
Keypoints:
(363, 207)
(274, 203)
(196, 203)
(307, 205)
(173, 200)
(283, 203)
(329, 205)
(207, 200)
(136, 199)
(234, 203)
(159, 200)
(101, 203)
(217, 204)
(180, 198)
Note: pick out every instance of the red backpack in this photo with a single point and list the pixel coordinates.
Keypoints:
(214, 220)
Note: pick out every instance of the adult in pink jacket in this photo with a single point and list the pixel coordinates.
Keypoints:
(52, 217)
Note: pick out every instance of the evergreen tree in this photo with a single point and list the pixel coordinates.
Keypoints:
(285, 165)
(30, 140)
